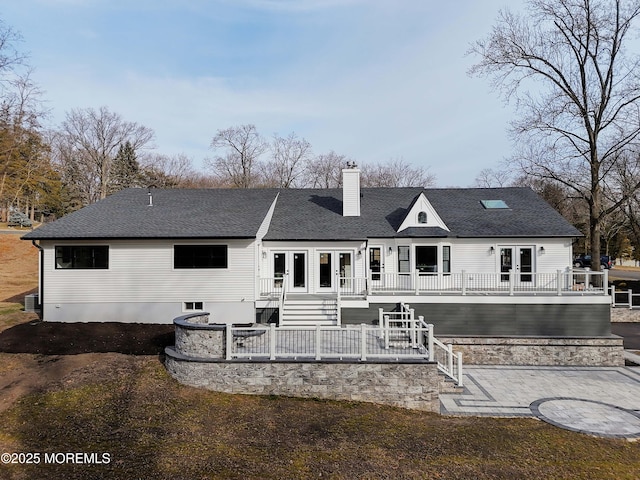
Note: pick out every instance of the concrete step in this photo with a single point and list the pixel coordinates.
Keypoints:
(309, 316)
(309, 311)
(447, 385)
(319, 303)
(305, 322)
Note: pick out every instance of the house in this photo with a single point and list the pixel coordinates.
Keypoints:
(476, 263)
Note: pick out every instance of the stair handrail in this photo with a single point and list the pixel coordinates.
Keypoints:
(281, 299)
(453, 366)
(338, 301)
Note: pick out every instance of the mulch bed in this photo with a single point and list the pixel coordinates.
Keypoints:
(47, 338)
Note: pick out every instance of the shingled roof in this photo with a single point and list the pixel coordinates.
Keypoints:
(176, 213)
(307, 214)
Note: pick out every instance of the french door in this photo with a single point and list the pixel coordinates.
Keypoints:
(375, 266)
(518, 260)
(328, 264)
(291, 267)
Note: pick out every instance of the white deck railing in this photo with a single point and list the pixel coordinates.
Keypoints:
(624, 298)
(403, 326)
(400, 336)
(570, 282)
(360, 342)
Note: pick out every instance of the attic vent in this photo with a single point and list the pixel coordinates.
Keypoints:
(494, 204)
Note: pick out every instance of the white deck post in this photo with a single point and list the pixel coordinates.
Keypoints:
(630, 293)
(363, 341)
(414, 333)
(460, 369)
(318, 342)
(386, 332)
(559, 282)
(369, 282)
(228, 341)
(450, 358)
(416, 280)
(605, 281)
(613, 295)
(431, 352)
(587, 278)
(511, 282)
(272, 342)
(464, 282)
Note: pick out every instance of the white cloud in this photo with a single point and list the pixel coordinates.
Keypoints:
(382, 81)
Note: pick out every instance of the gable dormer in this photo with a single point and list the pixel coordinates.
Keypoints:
(422, 214)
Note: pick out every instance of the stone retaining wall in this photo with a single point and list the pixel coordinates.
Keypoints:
(624, 314)
(603, 352)
(198, 359)
(402, 384)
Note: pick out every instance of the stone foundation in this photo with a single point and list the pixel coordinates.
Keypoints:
(601, 352)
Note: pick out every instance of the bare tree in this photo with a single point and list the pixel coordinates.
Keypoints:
(490, 178)
(241, 147)
(582, 110)
(289, 160)
(93, 138)
(11, 58)
(325, 170)
(172, 171)
(396, 173)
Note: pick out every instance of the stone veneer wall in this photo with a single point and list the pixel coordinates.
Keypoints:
(625, 314)
(198, 360)
(603, 352)
(400, 384)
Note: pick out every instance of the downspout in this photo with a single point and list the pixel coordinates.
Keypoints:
(40, 280)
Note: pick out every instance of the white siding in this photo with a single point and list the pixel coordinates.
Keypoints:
(142, 271)
(475, 256)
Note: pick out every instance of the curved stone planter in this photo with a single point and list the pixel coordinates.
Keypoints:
(197, 338)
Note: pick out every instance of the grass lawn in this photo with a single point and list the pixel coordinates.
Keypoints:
(66, 394)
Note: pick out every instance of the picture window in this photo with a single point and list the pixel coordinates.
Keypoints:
(82, 257)
(200, 256)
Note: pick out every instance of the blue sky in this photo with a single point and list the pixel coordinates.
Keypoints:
(369, 79)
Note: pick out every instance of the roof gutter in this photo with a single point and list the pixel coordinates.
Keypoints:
(41, 277)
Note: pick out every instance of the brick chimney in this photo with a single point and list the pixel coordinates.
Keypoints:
(351, 190)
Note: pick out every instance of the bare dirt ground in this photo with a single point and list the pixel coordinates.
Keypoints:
(55, 351)
(19, 268)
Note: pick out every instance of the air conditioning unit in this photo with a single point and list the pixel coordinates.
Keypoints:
(31, 303)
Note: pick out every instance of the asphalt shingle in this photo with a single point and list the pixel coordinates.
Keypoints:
(307, 214)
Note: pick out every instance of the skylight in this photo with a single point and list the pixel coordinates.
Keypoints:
(494, 204)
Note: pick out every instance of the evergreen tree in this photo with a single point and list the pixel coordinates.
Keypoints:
(125, 169)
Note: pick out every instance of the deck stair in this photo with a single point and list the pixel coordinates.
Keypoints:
(399, 335)
(305, 310)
